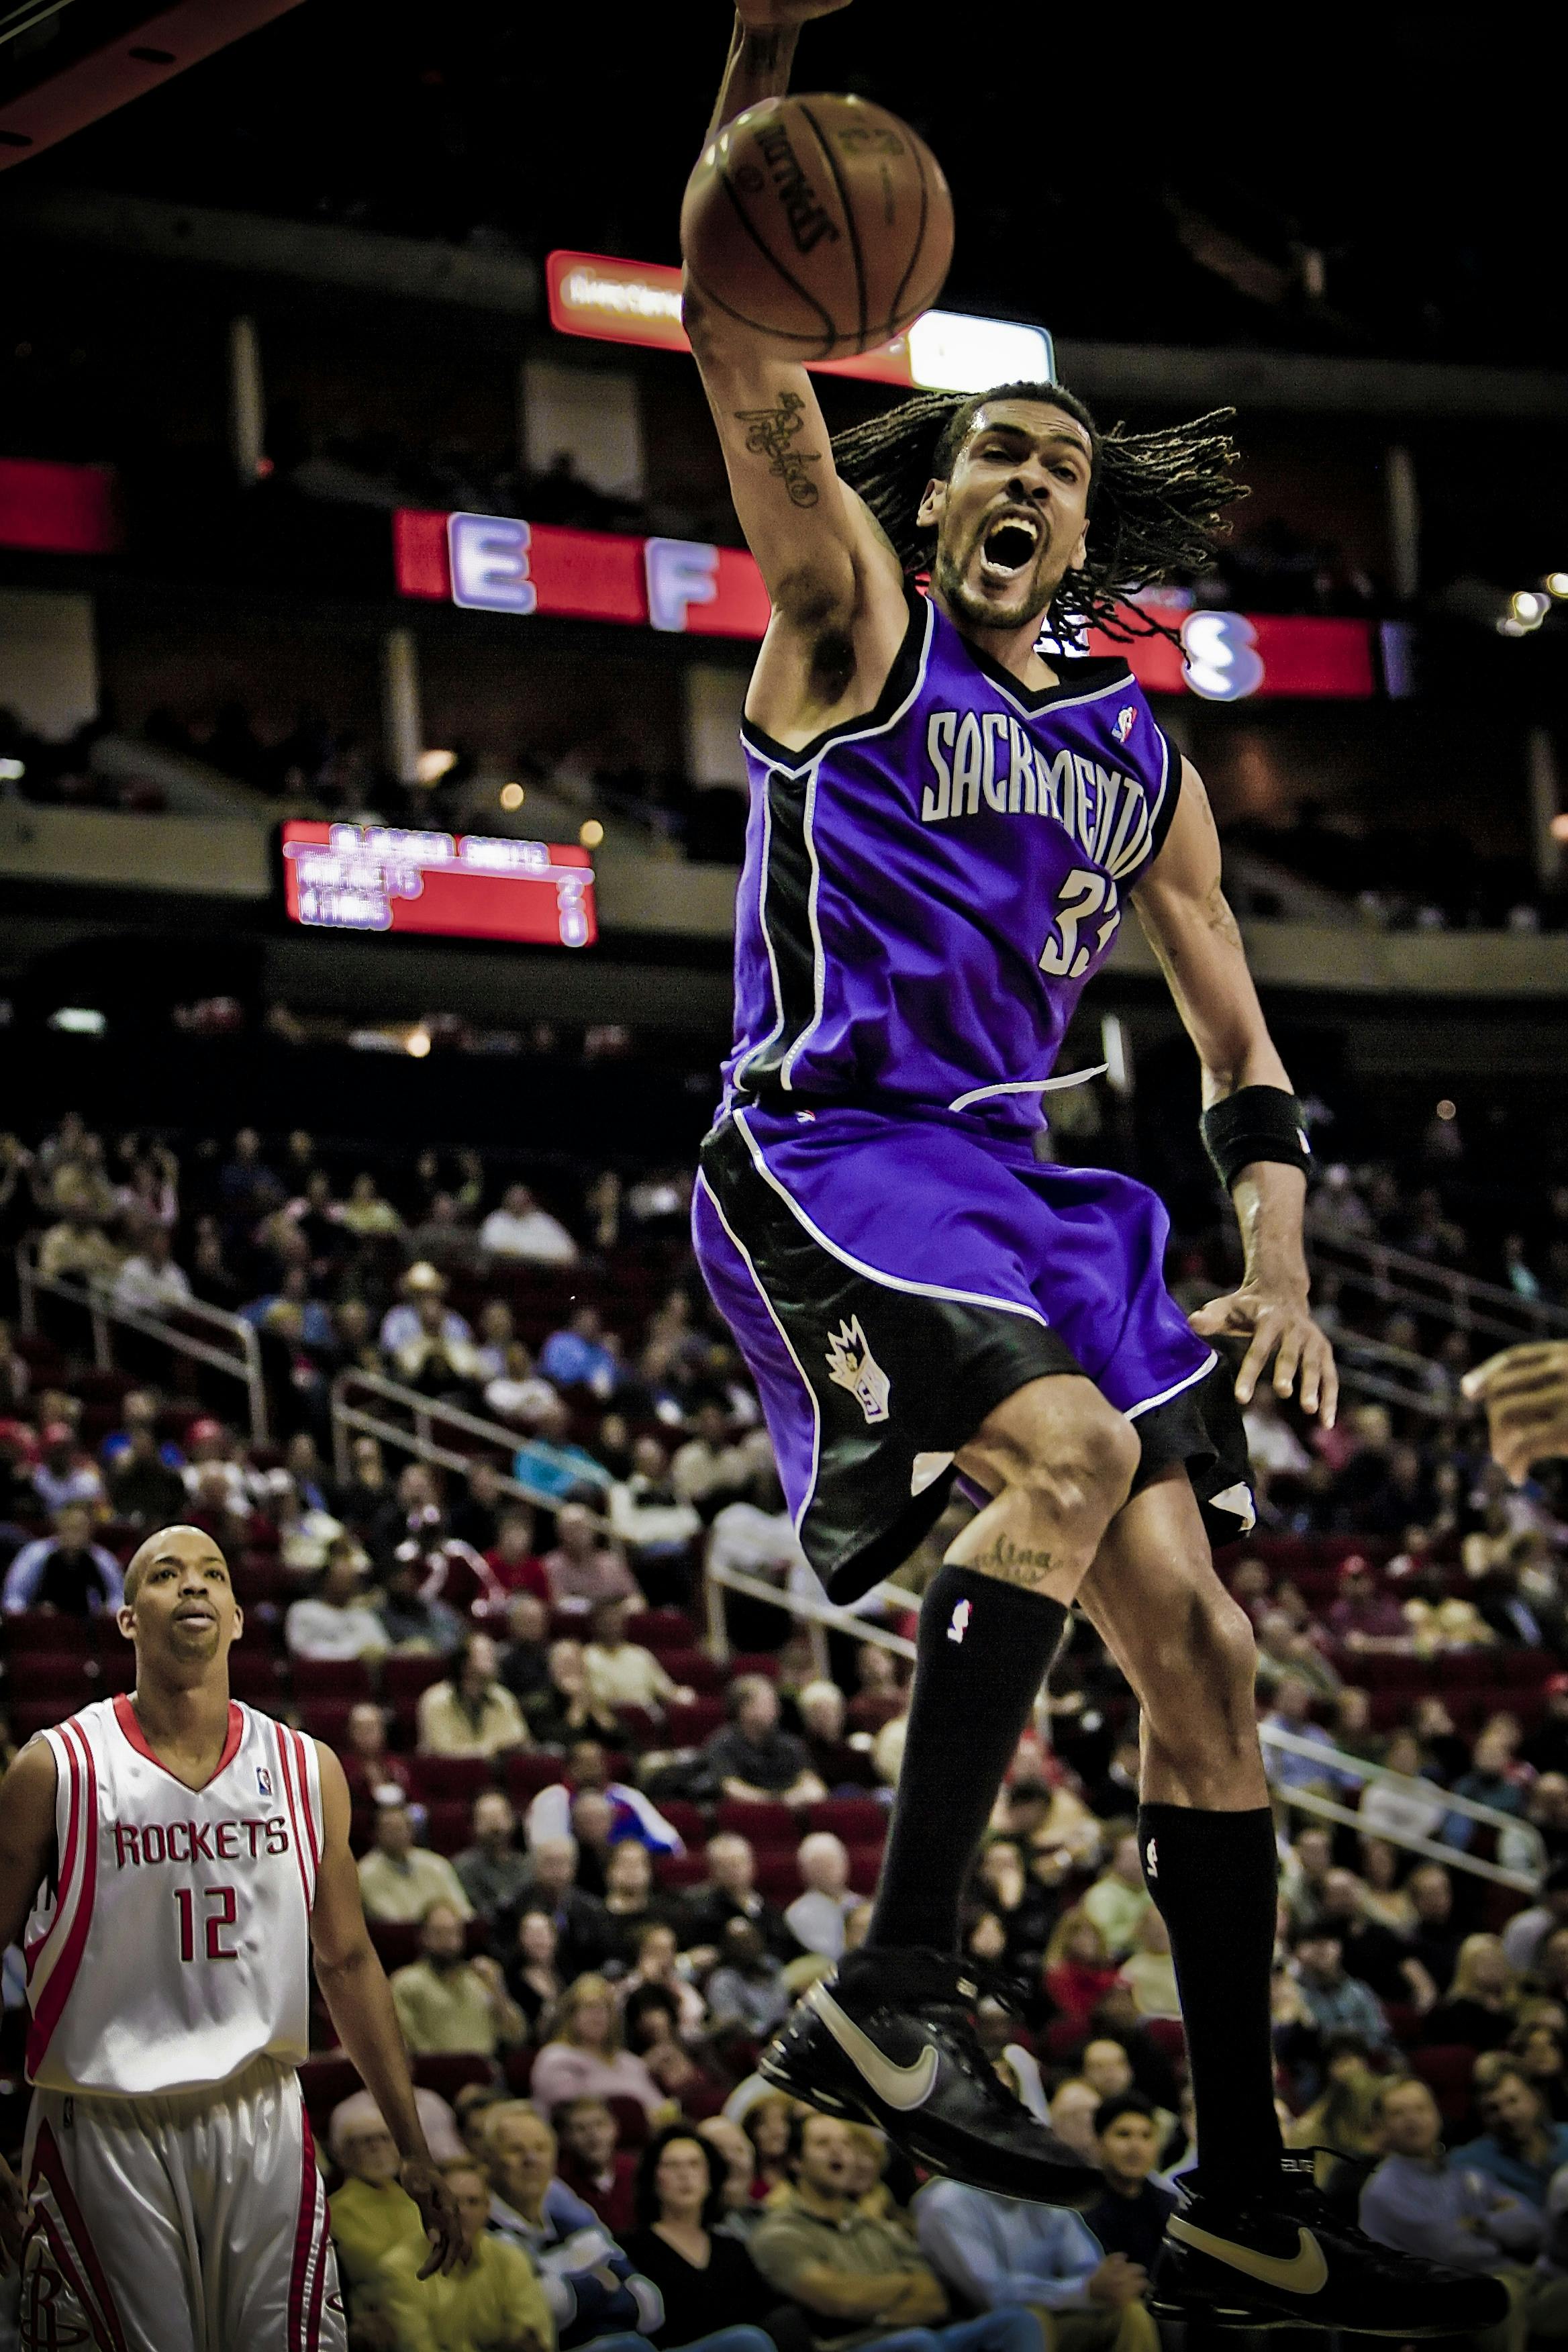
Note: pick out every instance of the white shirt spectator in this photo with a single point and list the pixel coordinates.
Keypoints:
(25, 1576)
(317, 1629)
(151, 1280)
(401, 1327)
(759, 1543)
(520, 1228)
(816, 1920)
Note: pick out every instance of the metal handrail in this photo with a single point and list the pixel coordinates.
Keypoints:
(421, 1439)
(1465, 1300)
(816, 1615)
(104, 1309)
(1340, 1761)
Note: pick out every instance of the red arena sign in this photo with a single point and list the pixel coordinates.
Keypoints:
(496, 563)
(377, 877)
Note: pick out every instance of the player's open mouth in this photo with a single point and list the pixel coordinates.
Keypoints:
(1009, 546)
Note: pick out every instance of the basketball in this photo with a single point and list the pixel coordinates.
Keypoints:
(822, 224)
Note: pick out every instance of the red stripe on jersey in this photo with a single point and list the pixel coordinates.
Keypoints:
(285, 1767)
(126, 1716)
(304, 1764)
(319, 2282)
(48, 2165)
(57, 1992)
(304, 2231)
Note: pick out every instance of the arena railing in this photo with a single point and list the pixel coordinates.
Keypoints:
(241, 1361)
(416, 1433)
(1520, 1838)
(1397, 1279)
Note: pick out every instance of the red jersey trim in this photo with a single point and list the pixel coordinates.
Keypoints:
(126, 1718)
(83, 1821)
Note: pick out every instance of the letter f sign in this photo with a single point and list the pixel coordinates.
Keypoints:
(680, 572)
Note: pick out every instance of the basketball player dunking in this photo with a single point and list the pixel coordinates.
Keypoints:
(181, 1856)
(944, 826)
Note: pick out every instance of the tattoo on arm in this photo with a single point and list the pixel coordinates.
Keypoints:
(1218, 917)
(770, 434)
(1012, 1563)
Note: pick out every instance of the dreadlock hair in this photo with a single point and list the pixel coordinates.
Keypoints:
(1158, 499)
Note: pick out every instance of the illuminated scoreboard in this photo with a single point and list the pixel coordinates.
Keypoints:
(378, 877)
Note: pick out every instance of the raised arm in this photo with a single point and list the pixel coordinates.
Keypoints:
(1181, 906)
(27, 1859)
(835, 584)
(359, 2002)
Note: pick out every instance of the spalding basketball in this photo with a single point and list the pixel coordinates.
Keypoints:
(822, 224)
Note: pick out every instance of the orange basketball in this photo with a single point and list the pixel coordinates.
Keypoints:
(823, 224)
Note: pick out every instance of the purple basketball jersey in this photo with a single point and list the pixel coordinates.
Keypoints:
(927, 888)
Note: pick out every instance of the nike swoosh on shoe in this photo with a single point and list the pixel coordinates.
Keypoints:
(902, 2088)
(1303, 2273)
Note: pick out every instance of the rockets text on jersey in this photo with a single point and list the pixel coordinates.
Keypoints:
(927, 888)
(174, 1945)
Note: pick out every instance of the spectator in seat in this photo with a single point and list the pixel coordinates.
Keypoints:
(411, 1516)
(878, 1694)
(1411, 1811)
(993, 2250)
(65, 1573)
(657, 1969)
(844, 1770)
(435, 1357)
(629, 1898)
(652, 2034)
(655, 1523)
(1539, 2047)
(405, 1325)
(1435, 1942)
(755, 1534)
(416, 1624)
(492, 2296)
(1073, 2109)
(1336, 2001)
(372, 2214)
(336, 1622)
(476, 1518)
(618, 1673)
(583, 1569)
(1149, 1971)
(532, 1978)
(1283, 1648)
(1451, 2212)
(1117, 1899)
(731, 1893)
(76, 1249)
(1521, 2147)
(1526, 1931)
(577, 1356)
(708, 1470)
(590, 2285)
(511, 1559)
(494, 1874)
(711, 2289)
(149, 1282)
(1364, 1621)
(582, 1923)
(64, 1473)
(524, 1668)
(1379, 1956)
(445, 2002)
(1546, 1749)
(1130, 2219)
(817, 1917)
(472, 1713)
(747, 1991)
(1292, 1712)
(755, 1760)
(593, 2164)
(1078, 1971)
(566, 1709)
(848, 2270)
(1482, 2003)
(526, 1233)
(371, 1770)
(143, 1487)
(583, 2058)
(369, 1489)
(398, 1881)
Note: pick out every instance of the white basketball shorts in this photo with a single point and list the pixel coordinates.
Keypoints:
(192, 2222)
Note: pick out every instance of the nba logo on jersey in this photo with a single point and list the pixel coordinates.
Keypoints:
(263, 1780)
(1124, 722)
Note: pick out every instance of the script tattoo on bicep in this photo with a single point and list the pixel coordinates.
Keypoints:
(771, 433)
(1218, 917)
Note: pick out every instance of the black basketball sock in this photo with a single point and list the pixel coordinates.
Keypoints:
(1214, 1878)
(980, 1656)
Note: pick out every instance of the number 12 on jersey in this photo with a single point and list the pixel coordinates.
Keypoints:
(222, 1911)
(1083, 896)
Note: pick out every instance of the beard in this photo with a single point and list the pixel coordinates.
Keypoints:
(1030, 601)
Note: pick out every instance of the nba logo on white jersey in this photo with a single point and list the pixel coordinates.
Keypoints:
(263, 1782)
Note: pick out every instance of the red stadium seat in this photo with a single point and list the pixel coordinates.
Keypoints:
(754, 1662)
(865, 1868)
(330, 1678)
(407, 1677)
(778, 1876)
(530, 1770)
(1448, 2068)
(859, 1821)
(1169, 2038)
(451, 1778)
(695, 1669)
(44, 1629)
(771, 1826)
(662, 1629)
(688, 1821)
(449, 1826)
(692, 1722)
(326, 2083)
(396, 1942)
(447, 2071)
(53, 1674)
(327, 1720)
(519, 2068)
(254, 1675)
(30, 1715)
(631, 2120)
(677, 1870)
(262, 1582)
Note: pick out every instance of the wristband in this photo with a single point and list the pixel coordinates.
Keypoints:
(1255, 1123)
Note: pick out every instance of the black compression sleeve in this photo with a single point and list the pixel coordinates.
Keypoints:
(1255, 1123)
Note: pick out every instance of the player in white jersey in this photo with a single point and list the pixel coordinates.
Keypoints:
(169, 1862)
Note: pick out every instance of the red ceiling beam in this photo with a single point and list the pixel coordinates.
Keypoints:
(136, 61)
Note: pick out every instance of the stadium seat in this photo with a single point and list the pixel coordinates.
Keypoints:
(695, 1669)
(692, 1721)
(771, 1826)
(346, 1678)
(859, 1821)
(396, 1942)
(57, 1674)
(447, 1826)
(678, 1870)
(327, 1720)
(518, 2066)
(1446, 2067)
(448, 2071)
(254, 1676)
(865, 1868)
(778, 1876)
(1168, 2036)
(326, 2082)
(453, 1780)
(532, 1769)
(631, 2120)
(262, 1582)
(662, 1629)
(30, 1715)
(754, 1662)
(405, 1677)
(688, 1821)
(44, 1629)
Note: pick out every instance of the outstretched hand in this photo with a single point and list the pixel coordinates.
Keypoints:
(1276, 1325)
(1525, 1392)
(432, 2193)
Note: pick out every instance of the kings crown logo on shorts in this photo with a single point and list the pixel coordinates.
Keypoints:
(852, 1366)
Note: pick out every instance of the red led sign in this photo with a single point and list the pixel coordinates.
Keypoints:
(379, 877)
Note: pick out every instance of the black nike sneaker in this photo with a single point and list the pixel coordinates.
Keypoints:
(1285, 2260)
(890, 2040)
